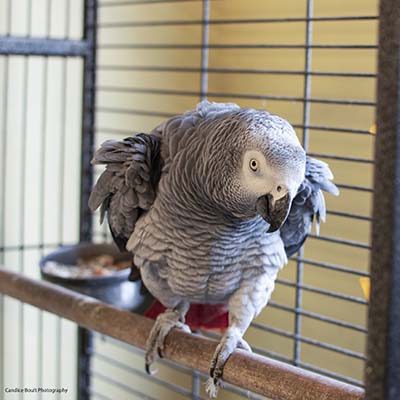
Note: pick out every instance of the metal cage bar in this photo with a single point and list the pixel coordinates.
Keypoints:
(88, 117)
(43, 47)
(309, 18)
(305, 143)
(88, 133)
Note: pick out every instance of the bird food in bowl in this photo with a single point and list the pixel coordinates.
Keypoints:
(97, 270)
(94, 266)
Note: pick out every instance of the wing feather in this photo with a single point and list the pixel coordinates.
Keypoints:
(308, 205)
(127, 186)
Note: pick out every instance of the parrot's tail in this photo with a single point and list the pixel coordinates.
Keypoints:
(199, 316)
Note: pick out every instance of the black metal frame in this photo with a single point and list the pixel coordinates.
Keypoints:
(383, 364)
(88, 133)
(44, 47)
(88, 116)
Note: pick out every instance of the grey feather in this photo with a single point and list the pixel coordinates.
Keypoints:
(308, 205)
(128, 185)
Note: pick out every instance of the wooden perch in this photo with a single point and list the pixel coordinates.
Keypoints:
(261, 375)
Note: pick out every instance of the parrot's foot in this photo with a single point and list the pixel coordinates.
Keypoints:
(165, 322)
(212, 388)
(229, 342)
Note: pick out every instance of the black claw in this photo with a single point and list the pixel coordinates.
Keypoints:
(160, 353)
(147, 367)
(149, 371)
(217, 375)
(212, 369)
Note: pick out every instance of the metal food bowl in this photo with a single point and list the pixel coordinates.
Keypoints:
(113, 289)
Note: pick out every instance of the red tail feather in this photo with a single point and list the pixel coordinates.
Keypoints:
(199, 316)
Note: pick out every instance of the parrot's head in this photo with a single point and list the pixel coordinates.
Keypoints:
(260, 164)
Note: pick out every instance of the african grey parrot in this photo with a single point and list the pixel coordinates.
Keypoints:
(211, 203)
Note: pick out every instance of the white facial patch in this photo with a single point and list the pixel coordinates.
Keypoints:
(264, 179)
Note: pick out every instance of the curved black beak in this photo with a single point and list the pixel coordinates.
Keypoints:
(275, 213)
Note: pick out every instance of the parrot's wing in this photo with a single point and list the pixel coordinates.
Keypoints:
(127, 187)
(309, 203)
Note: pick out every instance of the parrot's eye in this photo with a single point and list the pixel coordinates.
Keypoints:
(279, 188)
(253, 164)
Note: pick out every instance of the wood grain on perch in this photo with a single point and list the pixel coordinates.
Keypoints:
(259, 374)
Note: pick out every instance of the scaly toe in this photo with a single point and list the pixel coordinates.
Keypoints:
(155, 344)
(164, 331)
(229, 342)
(242, 344)
(212, 387)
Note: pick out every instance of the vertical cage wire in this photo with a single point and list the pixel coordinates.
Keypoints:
(204, 51)
(305, 140)
(2, 227)
(22, 199)
(42, 211)
(88, 121)
(196, 382)
(41, 346)
(3, 197)
(88, 133)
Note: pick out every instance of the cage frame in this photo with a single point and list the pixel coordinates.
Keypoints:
(382, 370)
(383, 350)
